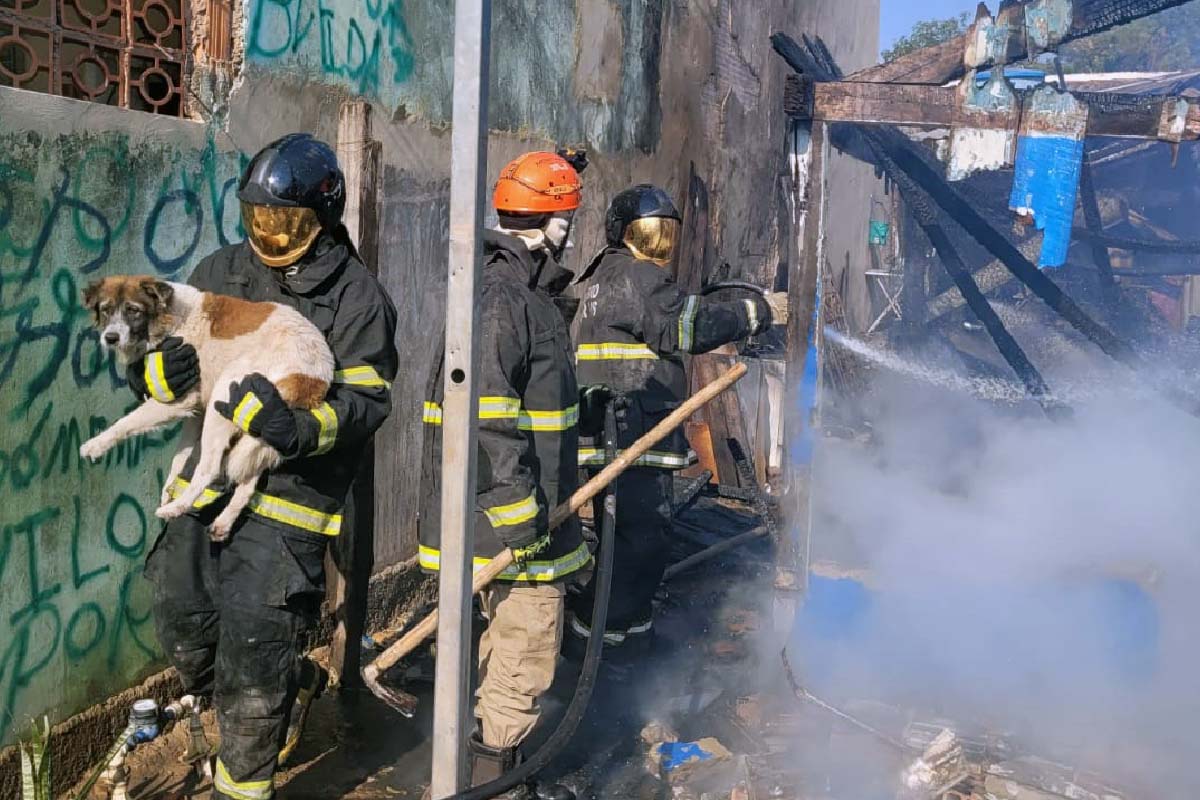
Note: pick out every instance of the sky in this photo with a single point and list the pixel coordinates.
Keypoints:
(897, 16)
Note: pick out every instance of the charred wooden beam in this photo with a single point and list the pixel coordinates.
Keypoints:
(1162, 246)
(1091, 216)
(944, 62)
(1129, 116)
(898, 155)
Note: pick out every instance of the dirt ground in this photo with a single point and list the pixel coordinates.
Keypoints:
(700, 679)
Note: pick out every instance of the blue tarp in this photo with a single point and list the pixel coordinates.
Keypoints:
(1046, 180)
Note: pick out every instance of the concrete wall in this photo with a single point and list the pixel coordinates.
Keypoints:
(85, 191)
(656, 89)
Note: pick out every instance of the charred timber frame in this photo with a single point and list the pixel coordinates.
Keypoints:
(899, 158)
(1170, 119)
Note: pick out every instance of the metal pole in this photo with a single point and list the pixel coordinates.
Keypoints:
(468, 164)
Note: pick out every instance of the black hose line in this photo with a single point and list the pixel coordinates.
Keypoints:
(743, 285)
(591, 659)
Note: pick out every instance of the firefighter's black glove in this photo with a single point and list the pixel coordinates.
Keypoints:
(255, 406)
(761, 318)
(166, 374)
(592, 400)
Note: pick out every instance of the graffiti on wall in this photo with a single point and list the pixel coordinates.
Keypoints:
(364, 46)
(75, 615)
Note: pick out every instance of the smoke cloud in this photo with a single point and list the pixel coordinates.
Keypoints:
(1032, 577)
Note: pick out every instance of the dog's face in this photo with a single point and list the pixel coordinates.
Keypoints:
(131, 313)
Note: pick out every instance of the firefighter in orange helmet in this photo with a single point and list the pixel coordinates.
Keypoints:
(527, 462)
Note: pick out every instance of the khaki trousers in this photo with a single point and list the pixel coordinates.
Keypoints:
(517, 656)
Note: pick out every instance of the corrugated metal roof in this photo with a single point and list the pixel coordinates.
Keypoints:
(1153, 83)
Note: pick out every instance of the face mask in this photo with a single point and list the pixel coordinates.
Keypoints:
(653, 239)
(558, 230)
(279, 235)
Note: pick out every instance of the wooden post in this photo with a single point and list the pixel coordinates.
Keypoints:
(723, 417)
(1091, 216)
(808, 158)
(468, 165)
(351, 556)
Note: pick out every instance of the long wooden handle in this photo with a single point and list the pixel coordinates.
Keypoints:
(624, 460)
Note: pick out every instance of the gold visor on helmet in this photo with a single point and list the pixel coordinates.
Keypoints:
(280, 235)
(653, 238)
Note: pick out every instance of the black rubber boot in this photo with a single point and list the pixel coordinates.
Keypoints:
(313, 681)
(489, 763)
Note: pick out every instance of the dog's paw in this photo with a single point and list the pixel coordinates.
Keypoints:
(170, 510)
(94, 449)
(219, 531)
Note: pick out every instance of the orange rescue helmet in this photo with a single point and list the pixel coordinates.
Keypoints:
(538, 183)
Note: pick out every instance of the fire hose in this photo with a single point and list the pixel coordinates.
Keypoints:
(406, 703)
(740, 285)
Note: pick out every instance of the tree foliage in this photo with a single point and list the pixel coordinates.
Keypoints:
(927, 33)
(1165, 42)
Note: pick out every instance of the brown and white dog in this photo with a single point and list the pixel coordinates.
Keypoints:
(233, 338)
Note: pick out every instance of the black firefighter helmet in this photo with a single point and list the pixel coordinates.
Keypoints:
(644, 219)
(292, 190)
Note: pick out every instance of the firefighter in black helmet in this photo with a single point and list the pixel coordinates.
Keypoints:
(233, 616)
(633, 327)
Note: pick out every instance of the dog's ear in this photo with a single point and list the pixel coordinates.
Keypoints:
(91, 296)
(160, 292)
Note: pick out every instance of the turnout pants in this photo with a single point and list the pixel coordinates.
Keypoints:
(643, 541)
(233, 618)
(517, 656)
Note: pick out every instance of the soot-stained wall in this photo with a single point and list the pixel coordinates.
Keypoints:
(399, 54)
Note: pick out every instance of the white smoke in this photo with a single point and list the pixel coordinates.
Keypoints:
(1032, 576)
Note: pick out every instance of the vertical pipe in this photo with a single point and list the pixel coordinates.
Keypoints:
(468, 164)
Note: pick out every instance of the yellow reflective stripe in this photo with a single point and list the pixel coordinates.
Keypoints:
(613, 351)
(246, 411)
(513, 513)
(327, 435)
(594, 456)
(752, 314)
(361, 376)
(499, 407)
(548, 570)
(156, 379)
(296, 515)
(244, 790)
(272, 507)
(583, 630)
(503, 408)
(687, 323)
(209, 496)
(565, 419)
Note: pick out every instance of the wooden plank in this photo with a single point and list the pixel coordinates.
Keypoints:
(1091, 215)
(351, 556)
(807, 164)
(1129, 116)
(722, 418)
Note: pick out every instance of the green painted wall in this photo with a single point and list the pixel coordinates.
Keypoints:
(400, 54)
(74, 611)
